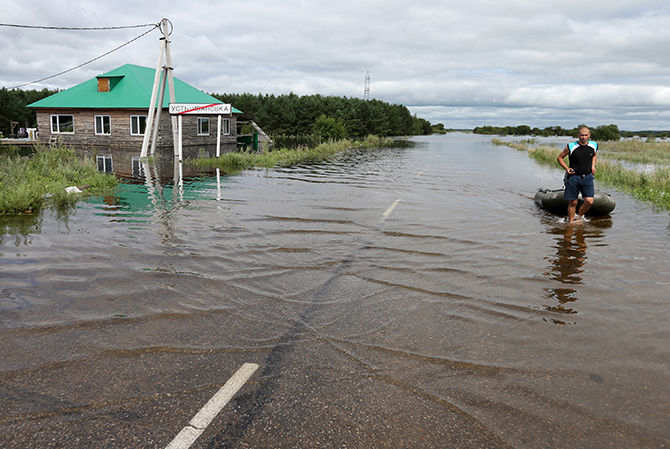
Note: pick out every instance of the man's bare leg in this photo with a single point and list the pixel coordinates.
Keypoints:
(586, 205)
(572, 208)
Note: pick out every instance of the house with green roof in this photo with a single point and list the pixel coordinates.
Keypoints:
(109, 112)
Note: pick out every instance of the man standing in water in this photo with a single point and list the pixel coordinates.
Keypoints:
(579, 175)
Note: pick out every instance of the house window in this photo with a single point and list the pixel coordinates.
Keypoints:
(62, 124)
(137, 124)
(226, 126)
(105, 164)
(103, 125)
(203, 126)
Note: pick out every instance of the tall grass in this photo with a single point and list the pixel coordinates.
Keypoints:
(28, 183)
(653, 187)
(236, 162)
(637, 151)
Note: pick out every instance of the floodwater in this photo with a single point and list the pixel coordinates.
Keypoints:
(401, 297)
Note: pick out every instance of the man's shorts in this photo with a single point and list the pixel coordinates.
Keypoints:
(574, 184)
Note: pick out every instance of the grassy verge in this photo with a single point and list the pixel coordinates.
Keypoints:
(28, 183)
(236, 162)
(653, 187)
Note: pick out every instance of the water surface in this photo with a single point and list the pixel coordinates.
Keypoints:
(464, 317)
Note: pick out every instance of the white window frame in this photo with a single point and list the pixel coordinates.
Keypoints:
(56, 129)
(202, 120)
(102, 123)
(226, 126)
(107, 163)
(137, 117)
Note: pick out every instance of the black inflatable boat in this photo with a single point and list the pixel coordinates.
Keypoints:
(552, 201)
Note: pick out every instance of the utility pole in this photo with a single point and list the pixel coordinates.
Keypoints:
(366, 91)
(151, 129)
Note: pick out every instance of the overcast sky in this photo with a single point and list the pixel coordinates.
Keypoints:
(461, 63)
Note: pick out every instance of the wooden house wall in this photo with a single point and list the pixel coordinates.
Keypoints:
(120, 139)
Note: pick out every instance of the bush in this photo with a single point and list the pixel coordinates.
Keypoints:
(27, 182)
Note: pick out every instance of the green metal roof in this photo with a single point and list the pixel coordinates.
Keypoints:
(131, 87)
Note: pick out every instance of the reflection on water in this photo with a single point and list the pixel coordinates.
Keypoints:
(146, 185)
(153, 191)
(567, 265)
(20, 227)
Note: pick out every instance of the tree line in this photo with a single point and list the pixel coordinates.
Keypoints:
(649, 134)
(603, 132)
(328, 116)
(13, 108)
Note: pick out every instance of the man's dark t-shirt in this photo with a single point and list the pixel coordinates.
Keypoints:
(581, 156)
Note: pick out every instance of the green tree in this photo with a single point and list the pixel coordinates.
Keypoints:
(13, 107)
(522, 130)
(422, 126)
(606, 132)
(329, 128)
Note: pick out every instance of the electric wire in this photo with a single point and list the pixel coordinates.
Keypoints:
(40, 27)
(87, 62)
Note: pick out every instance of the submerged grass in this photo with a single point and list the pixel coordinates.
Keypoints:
(653, 187)
(637, 151)
(236, 162)
(28, 183)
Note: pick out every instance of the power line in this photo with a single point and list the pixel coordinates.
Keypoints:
(39, 27)
(89, 61)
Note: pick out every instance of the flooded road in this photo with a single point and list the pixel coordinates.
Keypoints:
(401, 297)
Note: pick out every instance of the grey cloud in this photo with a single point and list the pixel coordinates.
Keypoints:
(472, 62)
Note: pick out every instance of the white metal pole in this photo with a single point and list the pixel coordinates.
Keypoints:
(179, 148)
(159, 109)
(218, 137)
(181, 182)
(218, 184)
(177, 182)
(152, 103)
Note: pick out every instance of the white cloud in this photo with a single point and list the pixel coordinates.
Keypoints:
(462, 64)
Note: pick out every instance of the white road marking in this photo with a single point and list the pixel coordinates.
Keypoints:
(208, 412)
(389, 210)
